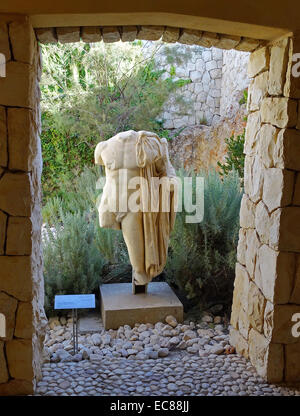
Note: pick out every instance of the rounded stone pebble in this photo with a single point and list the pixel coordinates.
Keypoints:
(168, 358)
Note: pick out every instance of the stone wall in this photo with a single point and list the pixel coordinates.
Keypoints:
(214, 111)
(218, 79)
(21, 287)
(266, 293)
(203, 67)
(234, 81)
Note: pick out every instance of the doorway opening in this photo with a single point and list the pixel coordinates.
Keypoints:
(196, 98)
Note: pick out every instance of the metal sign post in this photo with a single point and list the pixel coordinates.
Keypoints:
(74, 302)
(75, 331)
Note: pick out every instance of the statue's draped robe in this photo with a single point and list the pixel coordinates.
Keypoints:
(152, 160)
(157, 225)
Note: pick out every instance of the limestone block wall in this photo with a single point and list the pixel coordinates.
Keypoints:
(203, 146)
(218, 79)
(21, 287)
(234, 81)
(204, 70)
(266, 293)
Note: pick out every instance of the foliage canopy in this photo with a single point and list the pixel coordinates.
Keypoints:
(92, 92)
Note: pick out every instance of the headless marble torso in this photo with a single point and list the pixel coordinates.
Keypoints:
(119, 154)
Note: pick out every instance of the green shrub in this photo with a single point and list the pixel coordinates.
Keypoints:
(202, 256)
(72, 262)
(235, 159)
(80, 194)
(244, 99)
(90, 93)
(79, 254)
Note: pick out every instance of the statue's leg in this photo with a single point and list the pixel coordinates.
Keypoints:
(132, 228)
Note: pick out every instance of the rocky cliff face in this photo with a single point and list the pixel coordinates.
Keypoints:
(201, 147)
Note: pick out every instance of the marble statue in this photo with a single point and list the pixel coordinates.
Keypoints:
(139, 198)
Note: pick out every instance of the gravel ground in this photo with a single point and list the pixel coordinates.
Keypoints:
(165, 359)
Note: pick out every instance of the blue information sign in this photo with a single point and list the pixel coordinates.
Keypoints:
(74, 301)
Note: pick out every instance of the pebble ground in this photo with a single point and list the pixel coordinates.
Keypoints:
(179, 374)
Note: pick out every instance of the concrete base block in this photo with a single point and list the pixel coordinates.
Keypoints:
(119, 306)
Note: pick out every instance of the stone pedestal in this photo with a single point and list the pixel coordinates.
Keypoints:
(119, 306)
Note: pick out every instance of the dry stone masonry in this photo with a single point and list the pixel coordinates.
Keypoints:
(202, 94)
(111, 34)
(266, 293)
(217, 81)
(202, 146)
(234, 81)
(21, 282)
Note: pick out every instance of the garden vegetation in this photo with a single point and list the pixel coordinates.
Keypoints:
(90, 93)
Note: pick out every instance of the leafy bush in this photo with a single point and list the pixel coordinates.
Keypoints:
(78, 195)
(202, 256)
(79, 254)
(235, 159)
(72, 262)
(90, 93)
(244, 99)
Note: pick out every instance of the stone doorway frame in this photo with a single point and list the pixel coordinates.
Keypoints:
(267, 283)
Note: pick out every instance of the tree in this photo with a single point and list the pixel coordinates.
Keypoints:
(90, 93)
